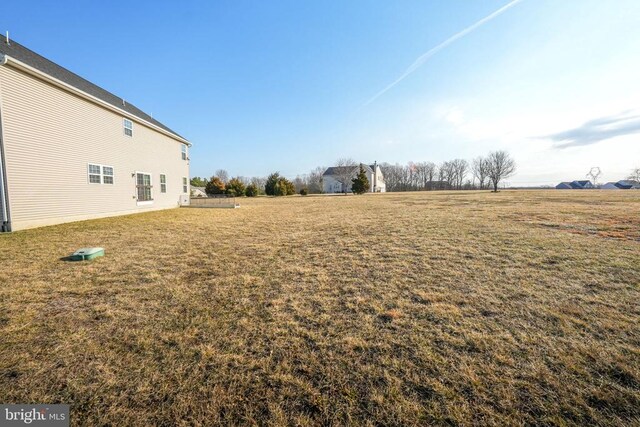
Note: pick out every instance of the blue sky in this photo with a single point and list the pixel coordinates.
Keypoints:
(284, 85)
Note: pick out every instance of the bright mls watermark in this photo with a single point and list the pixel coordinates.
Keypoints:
(36, 415)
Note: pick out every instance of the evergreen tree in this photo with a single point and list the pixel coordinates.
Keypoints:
(251, 190)
(270, 185)
(360, 184)
(284, 187)
(235, 187)
(214, 186)
(196, 181)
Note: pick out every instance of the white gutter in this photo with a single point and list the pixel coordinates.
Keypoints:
(5, 212)
(6, 59)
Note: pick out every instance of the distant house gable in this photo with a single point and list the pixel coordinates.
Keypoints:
(198, 192)
(581, 185)
(628, 184)
(610, 186)
(575, 185)
(331, 178)
(343, 170)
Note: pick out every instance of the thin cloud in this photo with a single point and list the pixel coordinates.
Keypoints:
(596, 130)
(428, 54)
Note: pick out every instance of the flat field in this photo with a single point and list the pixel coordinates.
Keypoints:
(465, 308)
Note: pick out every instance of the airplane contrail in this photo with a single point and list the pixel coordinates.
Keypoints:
(428, 54)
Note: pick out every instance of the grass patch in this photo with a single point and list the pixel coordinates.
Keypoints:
(397, 309)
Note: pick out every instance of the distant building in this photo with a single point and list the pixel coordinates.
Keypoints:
(331, 178)
(629, 184)
(622, 185)
(575, 185)
(438, 185)
(198, 192)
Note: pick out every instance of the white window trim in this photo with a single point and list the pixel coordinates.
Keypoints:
(124, 127)
(101, 174)
(184, 154)
(113, 175)
(135, 186)
(185, 185)
(165, 183)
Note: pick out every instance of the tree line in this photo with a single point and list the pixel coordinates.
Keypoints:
(221, 185)
(272, 185)
(484, 172)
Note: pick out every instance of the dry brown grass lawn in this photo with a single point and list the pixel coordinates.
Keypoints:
(400, 309)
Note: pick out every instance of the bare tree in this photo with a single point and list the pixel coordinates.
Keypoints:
(300, 182)
(315, 180)
(222, 174)
(447, 173)
(392, 176)
(635, 175)
(501, 166)
(459, 168)
(344, 171)
(259, 182)
(425, 172)
(245, 180)
(480, 170)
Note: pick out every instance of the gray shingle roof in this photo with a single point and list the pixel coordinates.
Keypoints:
(343, 170)
(627, 184)
(17, 51)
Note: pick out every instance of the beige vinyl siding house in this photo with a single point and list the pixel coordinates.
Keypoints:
(69, 152)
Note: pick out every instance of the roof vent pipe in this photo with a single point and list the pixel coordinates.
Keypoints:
(8, 42)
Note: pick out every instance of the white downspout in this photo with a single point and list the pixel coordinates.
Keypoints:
(5, 214)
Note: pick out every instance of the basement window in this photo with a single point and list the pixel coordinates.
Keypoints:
(163, 183)
(185, 185)
(128, 127)
(143, 187)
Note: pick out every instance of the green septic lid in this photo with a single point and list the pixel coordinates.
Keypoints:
(87, 253)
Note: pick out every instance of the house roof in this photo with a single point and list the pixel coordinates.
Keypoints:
(627, 184)
(575, 184)
(17, 51)
(342, 170)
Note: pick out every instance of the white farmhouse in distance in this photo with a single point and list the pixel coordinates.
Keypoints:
(70, 150)
(331, 178)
